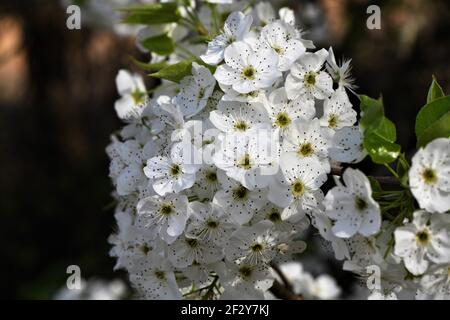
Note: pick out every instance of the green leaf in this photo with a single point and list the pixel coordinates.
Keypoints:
(380, 149)
(376, 187)
(175, 72)
(379, 132)
(161, 44)
(387, 130)
(435, 91)
(372, 112)
(152, 67)
(429, 115)
(151, 14)
(439, 129)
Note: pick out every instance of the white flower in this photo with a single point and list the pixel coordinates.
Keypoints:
(287, 15)
(236, 28)
(233, 95)
(165, 216)
(429, 176)
(156, 282)
(426, 239)
(283, 111)
(297, 186)
(207, 183)
(341, 73)
(186, 250)
(280, 36)
(238, 117)
(209, 222)
(347, 145)
(307, 139)
(248, 158)
(174, 174)
(195, 90)
(133, 246)
(239, 201)
(133, 94)
(127, 159)
(168, 113)
(352, 206)
(338, 111)
(324, 225)
(280, 220)
(306, 77)
(246, 70)
(252, 245)
(364, 252)
(323, 287)
(245, 281)
(436, 282)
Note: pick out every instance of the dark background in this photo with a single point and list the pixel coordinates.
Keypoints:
(57, 93)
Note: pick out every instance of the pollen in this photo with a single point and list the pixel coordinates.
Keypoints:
(245, 162)
(360, 204)
(298, 188)
(249, 73)
(166, 209)
(211, 176)
(310, 79)
(429, 176)
(306, 150)
(283, 120)
(241, 126)
(333, 121)
(175, 170)
(423, 237)
(240, 193)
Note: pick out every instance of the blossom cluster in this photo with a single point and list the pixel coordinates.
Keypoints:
(217, 176)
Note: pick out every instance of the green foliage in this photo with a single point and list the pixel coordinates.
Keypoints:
(379, 132)
(375, 185)
(433, 120)
(435, 91)
(175, 72)
(151, 14)
(162, 44)
(151, 67)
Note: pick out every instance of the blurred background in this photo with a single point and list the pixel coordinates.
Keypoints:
(57, 93)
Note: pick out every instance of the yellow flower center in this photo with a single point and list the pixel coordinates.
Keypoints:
(429, 176)
(306, 150)
(249, 73)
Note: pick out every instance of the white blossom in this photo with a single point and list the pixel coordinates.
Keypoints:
(429, 176)
(424, 240)
(352, 206)
(307, 78)
(247, 70)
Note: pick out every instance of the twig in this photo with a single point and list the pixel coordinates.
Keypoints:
(285, 290)
(281, 292)
(338, 170)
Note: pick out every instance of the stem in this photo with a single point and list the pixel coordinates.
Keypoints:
(285, 290)
(281, 292)
(211, 287)
(338, 170)
(392, 171)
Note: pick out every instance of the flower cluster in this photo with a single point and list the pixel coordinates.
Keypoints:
(217, 174)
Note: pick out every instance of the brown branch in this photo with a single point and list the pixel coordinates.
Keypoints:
(283, 291)
(337, 170)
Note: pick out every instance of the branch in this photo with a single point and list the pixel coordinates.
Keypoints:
(337, 170)
(283, 291)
